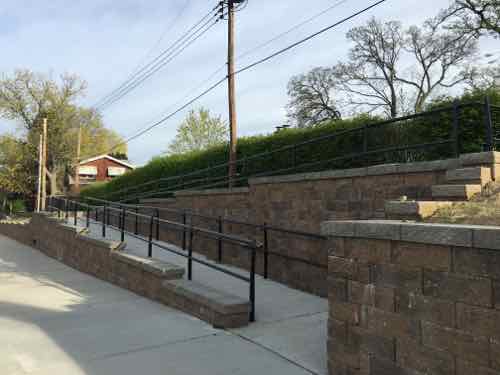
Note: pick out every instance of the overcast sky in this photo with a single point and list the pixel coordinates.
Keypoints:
(104, 40)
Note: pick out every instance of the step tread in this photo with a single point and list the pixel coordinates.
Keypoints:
(480, 174)
(412, 209)
(456, 190)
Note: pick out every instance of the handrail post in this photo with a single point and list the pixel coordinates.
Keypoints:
(184, 221)
(150, 238)
(136, 229)
(157, 224)
(104, 221)
(488, 122)
(456, 132)
(88, 216)
(219, 241)
(124, 213)
(266, 251)
(107, 216)
(252, 283)
(190, 253)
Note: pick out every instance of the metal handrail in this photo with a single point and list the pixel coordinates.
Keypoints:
(251, 246)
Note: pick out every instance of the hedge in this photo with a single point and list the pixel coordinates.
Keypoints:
(329, 153)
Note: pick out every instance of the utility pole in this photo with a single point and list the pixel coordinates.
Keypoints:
(44, 166)
(233, 130)
(40, 169)
(78, 150)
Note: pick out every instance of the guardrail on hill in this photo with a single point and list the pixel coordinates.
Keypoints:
(437, 134)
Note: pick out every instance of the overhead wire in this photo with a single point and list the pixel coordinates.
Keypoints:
(153, 70)
(157, 60)
(246, 68)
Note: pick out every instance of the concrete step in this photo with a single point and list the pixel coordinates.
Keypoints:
(471, 175)
(413, 210)
(216, 307)
(455, 192)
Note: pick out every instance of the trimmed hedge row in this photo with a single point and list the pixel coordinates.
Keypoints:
(383, 143)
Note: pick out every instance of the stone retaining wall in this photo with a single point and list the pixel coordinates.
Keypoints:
(147, 277)
(413, 298)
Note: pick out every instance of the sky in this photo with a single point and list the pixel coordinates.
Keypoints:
(103, 41)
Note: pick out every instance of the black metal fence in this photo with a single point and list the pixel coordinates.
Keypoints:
(262, 231)
(102, 214)
(440, 133)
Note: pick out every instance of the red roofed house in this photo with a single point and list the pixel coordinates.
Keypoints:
(101, 168)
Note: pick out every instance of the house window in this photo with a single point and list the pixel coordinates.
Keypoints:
(88, 174)
(115, 171)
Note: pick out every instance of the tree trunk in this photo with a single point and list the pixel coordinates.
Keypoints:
(52, 176)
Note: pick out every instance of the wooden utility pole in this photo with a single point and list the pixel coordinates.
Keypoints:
(78, 150)
(40, 171)
(233, 130)
(44, 166)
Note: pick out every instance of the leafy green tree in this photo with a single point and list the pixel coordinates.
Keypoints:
(17, 167)
(27, 98)
(199, 131)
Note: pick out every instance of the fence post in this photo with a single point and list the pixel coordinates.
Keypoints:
(266, 251)
(150, 238)
(75, 213)
(88, 216)
(184, 220)
(136, 230)
(219, 241)
(104, 221)
(190, 253)
(456, 131)
(124, 213)
(294, 156)
(66, 209)
(488, 123)
(157, 224)
(253, 251)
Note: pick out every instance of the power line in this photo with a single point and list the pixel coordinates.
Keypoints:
(260, 46)
(248, 67)
(302, 41)
(187, 34)
(169, 28)
(167, 59)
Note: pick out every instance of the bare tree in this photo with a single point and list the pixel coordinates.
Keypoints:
(442, 60)
(369, 77)
(394, 70)
(474, 17)
(311, 100)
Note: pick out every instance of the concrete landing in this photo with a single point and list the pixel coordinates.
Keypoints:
(289, 322)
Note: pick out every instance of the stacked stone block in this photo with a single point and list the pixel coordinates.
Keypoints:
(413, 299)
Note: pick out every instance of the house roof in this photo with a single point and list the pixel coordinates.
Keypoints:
(105, 156)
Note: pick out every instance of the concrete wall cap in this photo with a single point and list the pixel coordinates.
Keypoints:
(187, 193)
(376, 170)
(463, 235)
(157, 267)
(489, 157)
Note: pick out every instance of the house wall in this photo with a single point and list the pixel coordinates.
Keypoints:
(102, 168)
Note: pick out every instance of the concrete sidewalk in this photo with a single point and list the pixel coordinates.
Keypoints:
(55, 320)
